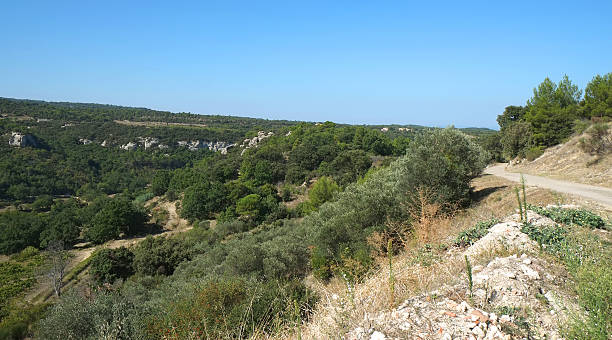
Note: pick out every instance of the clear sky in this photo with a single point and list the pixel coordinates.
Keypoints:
(365, 62)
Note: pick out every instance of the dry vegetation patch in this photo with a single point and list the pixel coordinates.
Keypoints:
(426, 288)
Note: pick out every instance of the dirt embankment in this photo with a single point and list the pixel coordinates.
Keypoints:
(568, 162)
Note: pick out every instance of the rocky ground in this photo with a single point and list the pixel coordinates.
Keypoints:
(516, 296)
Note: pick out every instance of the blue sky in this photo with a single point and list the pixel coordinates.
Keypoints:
(364, 62)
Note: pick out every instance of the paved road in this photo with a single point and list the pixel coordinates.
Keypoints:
(599, 194)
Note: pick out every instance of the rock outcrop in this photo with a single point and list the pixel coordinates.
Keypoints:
(194, 145)
(510, 295)
(19, 139)
(130, 146)
(253, 142)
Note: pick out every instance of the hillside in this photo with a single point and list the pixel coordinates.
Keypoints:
(524, 280)
(172, 226)
(568, 162)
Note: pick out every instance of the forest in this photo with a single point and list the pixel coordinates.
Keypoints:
(290, 200)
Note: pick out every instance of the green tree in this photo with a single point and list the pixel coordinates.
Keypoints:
(598, 97)
(515, 139)
(511, 115)
(202, 200)
(322, 191)
(551, 111)
(118, 216)
(250, 207)
(160, 255)
(161, 182)
(108, 265)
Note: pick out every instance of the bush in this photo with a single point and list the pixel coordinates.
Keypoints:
(533, 153)
(143, 198)
(108, 265)
(322, 191)
(202, 200)
(161, 182)
(105, 315)
(579, 217)
(231, 308)
(443, 161)
(159, 255)
(118, 216)
(475, 233)
(598, 140)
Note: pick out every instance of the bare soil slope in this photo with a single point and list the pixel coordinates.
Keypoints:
(567, 162)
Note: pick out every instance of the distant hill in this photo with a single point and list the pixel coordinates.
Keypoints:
(39, 109)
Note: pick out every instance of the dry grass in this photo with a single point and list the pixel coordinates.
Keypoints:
(568, 162)
(418, 269)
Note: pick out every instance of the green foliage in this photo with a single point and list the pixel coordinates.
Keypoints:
(15, 278)
(475, 233)
(104, 315)
(347, 167)
(202, 200)
(587, 258)
(322, 191)
(468, 271)
(19, 230)
(493, 145)
(579, 217)
(552, 238)
(534, 152)
(159, 255)
(305, 208)
(250, 207)
(141, 199)
(64, 223)
(444, 161)
(598, 97)
(516, 139)
(161, 182)
(108, 265)
(118, 216)
(230, 308)
(42, 203)
(595, 296)
(511, 114)
(551, 111)
(18, 324)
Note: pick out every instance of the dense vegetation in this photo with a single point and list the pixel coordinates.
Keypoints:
(245, 276)
(550, 116)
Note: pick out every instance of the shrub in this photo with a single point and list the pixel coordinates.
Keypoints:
(598, 140)
(105, 315)
(553, 238)
(161, 182)
(322, 191)
(231, 308)
(224, 229)
(143, 198)
(118, 216)
(202, 200)
(475, 233)
(533, 153)
(579, 217)
(443, 161)
(160, 255)
(108, 265)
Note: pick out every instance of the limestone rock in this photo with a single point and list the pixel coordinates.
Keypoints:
(22, 140)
